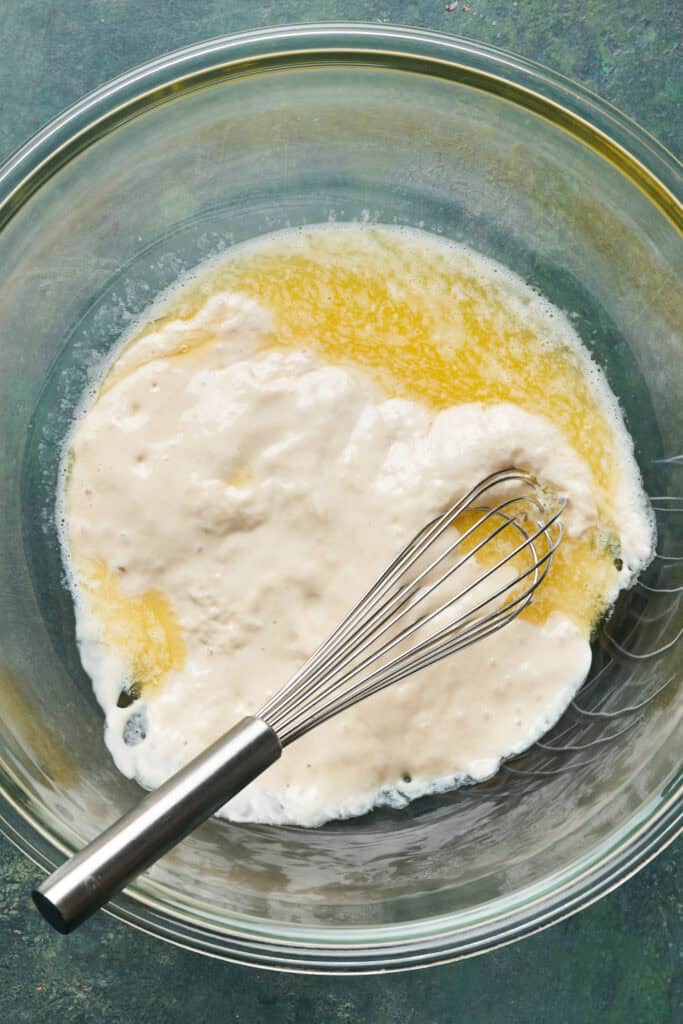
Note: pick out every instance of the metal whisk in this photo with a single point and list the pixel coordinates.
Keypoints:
(443, 592)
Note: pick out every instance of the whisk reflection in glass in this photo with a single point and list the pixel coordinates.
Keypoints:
(464, 575)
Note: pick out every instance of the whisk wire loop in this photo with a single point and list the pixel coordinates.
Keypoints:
(370, 635)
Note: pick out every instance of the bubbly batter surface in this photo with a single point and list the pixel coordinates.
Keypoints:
(260, 449)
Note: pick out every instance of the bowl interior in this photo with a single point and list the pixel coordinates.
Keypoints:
(190, 172)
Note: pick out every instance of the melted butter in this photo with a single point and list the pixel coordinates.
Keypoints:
(241, 478)
(581, 573)
(142, 628)
(418, 317)
(423, 324)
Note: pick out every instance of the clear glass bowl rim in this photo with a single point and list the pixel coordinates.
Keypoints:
(638, 156)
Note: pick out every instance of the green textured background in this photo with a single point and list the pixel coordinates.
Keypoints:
(619, 961)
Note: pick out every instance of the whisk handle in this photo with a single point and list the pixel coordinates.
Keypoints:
(88, 879)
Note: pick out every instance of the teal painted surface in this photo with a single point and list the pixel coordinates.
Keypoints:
(619, 961)
(52, 51)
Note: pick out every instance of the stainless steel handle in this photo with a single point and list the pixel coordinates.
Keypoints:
(88, 879)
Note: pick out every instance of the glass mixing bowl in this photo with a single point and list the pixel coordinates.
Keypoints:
(171, 164)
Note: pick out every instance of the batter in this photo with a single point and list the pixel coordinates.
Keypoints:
(262, 446)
